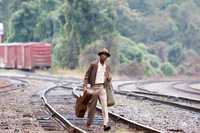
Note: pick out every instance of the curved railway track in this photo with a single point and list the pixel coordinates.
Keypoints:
(177, 88)
(195, 86)
(168, 110)
(65, 115)
(181, 102)
(186, 87)
(11, 83)
(40, 113)
(61, 103)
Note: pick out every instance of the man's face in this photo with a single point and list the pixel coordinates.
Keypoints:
(103, 57)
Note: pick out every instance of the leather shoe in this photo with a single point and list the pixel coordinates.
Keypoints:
(106, 128)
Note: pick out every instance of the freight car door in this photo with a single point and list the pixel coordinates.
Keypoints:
(20, 56)
(2, 64)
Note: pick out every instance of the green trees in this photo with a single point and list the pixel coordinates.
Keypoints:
(73, 51)
(175, 55)
(33, 21)
(89, 21)
(72, 23)
(85, 24)
(7, 8)
(23, 23)
(168, 69)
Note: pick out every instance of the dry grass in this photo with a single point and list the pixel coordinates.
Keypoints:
(77, 73)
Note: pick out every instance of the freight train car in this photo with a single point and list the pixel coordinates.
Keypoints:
(25, 55)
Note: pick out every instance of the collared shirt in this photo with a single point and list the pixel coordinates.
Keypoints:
(100, 73)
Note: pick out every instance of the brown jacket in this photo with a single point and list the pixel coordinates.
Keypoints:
(90, 75)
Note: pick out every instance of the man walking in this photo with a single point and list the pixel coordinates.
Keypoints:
(97, 74)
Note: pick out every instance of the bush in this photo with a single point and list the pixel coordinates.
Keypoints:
(131, 53)
(153, 60)
(175, 55)
(168, 69)
(59, 51)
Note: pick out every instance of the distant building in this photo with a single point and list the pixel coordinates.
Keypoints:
(1, 32)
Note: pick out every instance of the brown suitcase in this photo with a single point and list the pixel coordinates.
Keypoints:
(81, 104)
(109, 93)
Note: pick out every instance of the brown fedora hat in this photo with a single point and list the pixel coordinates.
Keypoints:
(104, 51)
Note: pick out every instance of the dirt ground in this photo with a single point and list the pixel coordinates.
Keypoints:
(3, 83)
(17, 112)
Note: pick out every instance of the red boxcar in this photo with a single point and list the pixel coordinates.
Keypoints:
(25, 55)
(31, 55)
(8, 55)
(2, 56)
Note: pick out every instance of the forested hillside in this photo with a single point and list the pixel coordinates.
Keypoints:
(145, 37)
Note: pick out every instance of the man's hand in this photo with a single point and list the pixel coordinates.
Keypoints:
(85, 89)
(109, 77)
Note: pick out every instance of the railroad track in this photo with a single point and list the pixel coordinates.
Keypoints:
(140, 92)
(65, 85)
(177, 86)
(4, 84)
(61, 104)
(40, 113)
(195, 86)
(185, 87)
(12, 83)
